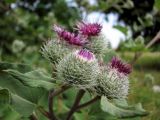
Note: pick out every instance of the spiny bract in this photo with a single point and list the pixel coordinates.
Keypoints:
(53, 51)
(79, 69)
(113, 80)
(98, 45)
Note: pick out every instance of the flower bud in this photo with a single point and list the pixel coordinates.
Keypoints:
(85, 55)
(69, 37)
(89, 29)
(53, 51)
(113, 80)
(79, 69)
(98, 45)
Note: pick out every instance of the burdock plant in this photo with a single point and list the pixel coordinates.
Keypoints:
(82, 66)
(77, 60)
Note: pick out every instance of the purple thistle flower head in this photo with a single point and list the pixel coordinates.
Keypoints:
(85, 55)
(77, 40)
(89, 29)
(71, 38)
(120, 66)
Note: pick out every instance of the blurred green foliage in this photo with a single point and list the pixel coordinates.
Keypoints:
(142, 90)
(131, 45)
(148, 60)
(31, 21)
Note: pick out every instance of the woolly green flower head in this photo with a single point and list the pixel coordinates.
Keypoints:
(54, 50)
(113, 80)
(98, 45)
(79, 69)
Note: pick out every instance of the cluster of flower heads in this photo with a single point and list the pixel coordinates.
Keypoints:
(85, 30)
(80, 67)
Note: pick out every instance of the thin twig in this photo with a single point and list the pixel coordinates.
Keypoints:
(88, 103)
(155, 39)
(76, 103)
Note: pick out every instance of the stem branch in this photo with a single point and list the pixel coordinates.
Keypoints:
(88, 103)
(155, 39)
(76, 103)
(60, 90)
(50, 106)
(51, 96)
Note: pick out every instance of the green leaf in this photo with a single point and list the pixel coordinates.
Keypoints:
(136, 45)
(96, 113)
(80, 116)
(22, 106)
(19, 67)
(33, 79)
(40, 74)
(121, 111)
(121, 28)
(28, 97)
(120, 102)
(8, 113)
(4, 96)
(157, 4)
(24, 96)
(10, 1)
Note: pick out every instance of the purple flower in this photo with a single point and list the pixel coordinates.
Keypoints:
(85, 55)
(120, 66)
(89, 29)
(71, 38)
(77, 40)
